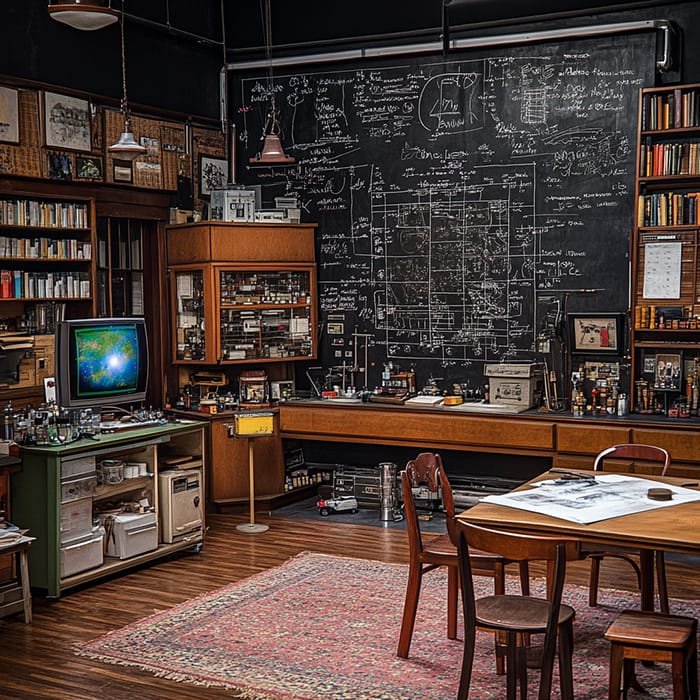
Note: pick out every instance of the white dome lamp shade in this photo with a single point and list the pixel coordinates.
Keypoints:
(86, 16)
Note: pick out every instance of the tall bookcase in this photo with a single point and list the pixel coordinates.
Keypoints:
(47, 273)
(665, 254)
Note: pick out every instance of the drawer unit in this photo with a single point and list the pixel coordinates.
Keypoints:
(82, 554)
(75, 489)
(76, 520)
(71, 468)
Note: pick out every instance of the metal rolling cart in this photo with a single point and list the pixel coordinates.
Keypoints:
(248, 426)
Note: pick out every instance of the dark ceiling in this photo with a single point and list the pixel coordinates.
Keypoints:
(175, 48)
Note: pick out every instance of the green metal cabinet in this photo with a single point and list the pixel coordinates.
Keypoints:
(36, 495)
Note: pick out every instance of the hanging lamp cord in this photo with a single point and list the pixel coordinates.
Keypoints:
(271, 127)
(125, 104)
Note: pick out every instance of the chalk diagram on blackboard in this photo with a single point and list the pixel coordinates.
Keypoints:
(455, 200)
(451, 103)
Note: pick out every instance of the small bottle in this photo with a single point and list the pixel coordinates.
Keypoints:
(622, 404)
(8, 422)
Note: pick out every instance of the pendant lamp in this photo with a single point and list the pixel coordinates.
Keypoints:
(271, 152)
(126, 148)
(86, 16)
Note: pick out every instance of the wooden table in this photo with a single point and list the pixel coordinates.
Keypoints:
(671, 529)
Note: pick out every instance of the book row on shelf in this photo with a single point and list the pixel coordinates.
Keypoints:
(664, 159)
(676, 109)
(18, 284)
(52, 248)
(29, 212)
(668, 209)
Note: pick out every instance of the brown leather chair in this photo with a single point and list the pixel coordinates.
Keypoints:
(640, 457)
(518, 617)
(433, 552)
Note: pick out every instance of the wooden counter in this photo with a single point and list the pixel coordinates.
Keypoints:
(567, 441)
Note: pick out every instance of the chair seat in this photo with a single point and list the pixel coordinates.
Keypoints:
(638, 628)
(519, 613)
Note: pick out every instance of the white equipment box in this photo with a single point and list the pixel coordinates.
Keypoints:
(129, 534)
(513, 384)
(180, 505)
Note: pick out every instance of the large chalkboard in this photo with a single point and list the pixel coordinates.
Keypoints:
(458, 201)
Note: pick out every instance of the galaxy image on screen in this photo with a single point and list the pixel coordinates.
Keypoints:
(107, 360)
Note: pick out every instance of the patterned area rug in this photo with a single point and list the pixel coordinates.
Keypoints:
(323, 627)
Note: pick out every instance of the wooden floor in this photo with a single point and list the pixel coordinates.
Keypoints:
(36, 661)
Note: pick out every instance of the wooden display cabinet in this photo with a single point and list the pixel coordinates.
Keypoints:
(247, 293)
(665, 333)
(242, 295)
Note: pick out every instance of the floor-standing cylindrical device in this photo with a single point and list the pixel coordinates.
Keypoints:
(388, 501)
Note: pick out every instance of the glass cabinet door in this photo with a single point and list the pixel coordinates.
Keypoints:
(190, 331)
(265, 314)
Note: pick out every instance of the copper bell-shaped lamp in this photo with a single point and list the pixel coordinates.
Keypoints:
(272, 152)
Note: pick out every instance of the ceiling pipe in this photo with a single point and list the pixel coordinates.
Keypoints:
(470, 43)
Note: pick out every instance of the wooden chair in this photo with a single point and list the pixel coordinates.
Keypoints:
(519, 616)
(647, 636)
(645, 454)
(426, 554)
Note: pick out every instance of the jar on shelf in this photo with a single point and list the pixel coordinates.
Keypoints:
(110, 471)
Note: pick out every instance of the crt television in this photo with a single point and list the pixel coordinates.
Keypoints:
(101, 361)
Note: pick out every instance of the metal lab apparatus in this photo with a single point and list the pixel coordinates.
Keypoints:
(514, 384)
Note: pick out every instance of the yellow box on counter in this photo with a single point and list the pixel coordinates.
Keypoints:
(253, 424)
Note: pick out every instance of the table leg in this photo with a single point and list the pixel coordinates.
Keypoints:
(646, 567)
(26, 589)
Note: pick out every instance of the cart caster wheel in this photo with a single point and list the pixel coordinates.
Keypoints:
(197, 549)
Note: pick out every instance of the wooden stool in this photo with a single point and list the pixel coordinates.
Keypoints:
(17, 596)
(647, 636)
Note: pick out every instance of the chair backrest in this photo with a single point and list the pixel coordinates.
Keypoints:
(424, 470)
(518, 548)
(644, 454)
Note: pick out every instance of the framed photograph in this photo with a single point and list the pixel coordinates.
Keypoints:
(122, 172)
(213, 173)
(67, 122)
(9, 115)
(88, 168)
(596, 333)
(60, 166)
(668, 372)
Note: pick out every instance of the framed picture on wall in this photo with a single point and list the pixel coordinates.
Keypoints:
(88, 168)
(596, 333)
(122, 172)
(213, 173)
(67, 122)
(9, 115)
(59, 166)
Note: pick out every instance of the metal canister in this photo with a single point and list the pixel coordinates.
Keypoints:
(388, 497)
